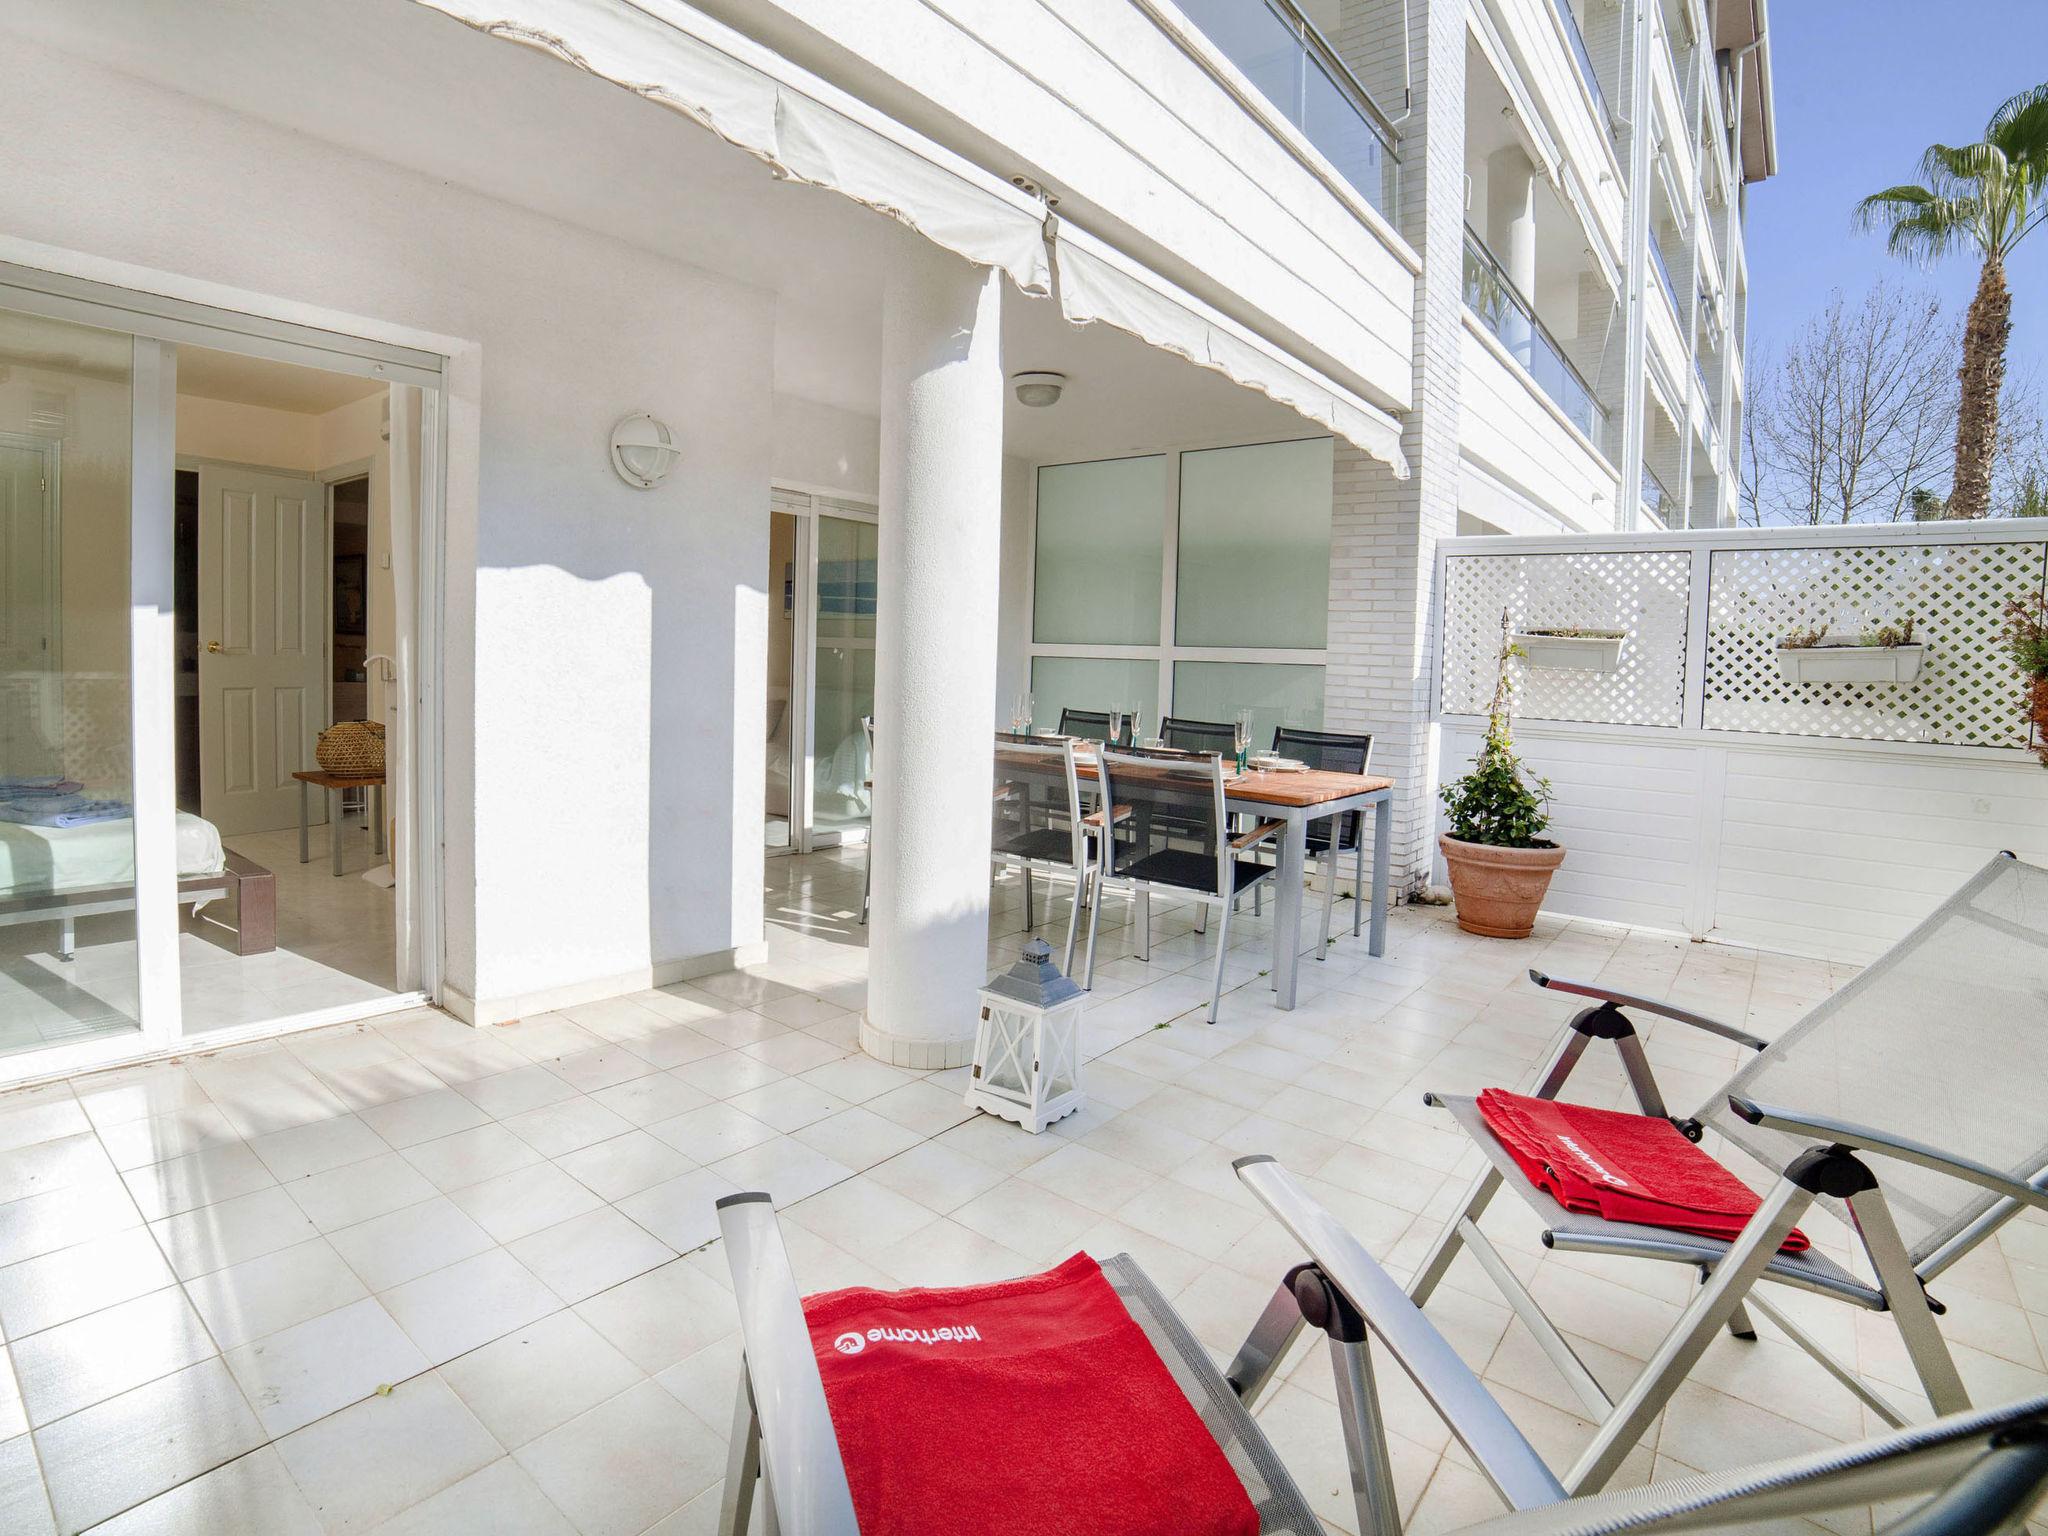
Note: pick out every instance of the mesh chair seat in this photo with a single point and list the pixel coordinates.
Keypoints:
(1337, 752)
(1199, 735)
(1042, 845)
(1189, 870)
(1087, 724)
(1583, 1232)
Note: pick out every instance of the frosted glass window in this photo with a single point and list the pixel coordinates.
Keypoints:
(1255, 546)
(1095, 683)
(1101, 549)
(1276, 693)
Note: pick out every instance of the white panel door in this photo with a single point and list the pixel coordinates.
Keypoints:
(262, 644)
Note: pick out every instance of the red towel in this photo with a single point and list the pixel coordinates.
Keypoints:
(1032, 1407)
(1623, 1167)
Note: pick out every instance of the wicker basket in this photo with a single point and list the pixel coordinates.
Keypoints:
(352, 748)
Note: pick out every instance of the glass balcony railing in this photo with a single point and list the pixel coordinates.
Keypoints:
(1657, 503)
(1281, 52)
(1583, 57)
(1664, 275)
(1507, 314)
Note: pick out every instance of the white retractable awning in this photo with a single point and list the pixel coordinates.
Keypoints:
(1100, 284)
(811, 131)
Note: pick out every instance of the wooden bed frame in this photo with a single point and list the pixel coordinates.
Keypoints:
(253, 887)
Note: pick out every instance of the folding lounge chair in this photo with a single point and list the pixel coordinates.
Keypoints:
(1971, 1474)
(1911, 1102)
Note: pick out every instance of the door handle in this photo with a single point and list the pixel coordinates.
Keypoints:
(213, 646)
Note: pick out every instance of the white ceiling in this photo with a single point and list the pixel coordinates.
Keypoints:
(412, 87)
(214, 375)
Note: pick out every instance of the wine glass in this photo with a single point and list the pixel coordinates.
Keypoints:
(1027, 708)
(1116, 725)
(1244, 737)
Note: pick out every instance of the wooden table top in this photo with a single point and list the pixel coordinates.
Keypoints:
(1314, 786)
(328, 780)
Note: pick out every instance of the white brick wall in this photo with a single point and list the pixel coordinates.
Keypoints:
(1384, 531)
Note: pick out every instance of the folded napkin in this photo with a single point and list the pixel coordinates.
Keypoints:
(1622, 1167)
(1032, 1407)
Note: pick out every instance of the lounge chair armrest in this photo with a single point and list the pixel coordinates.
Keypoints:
(1649, 1005)
(797, 1443)
(1501, 1451)
(1257, 834)
(1825, 1128)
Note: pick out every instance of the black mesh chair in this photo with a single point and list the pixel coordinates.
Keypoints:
(1199, 735)
(1085, 724)
(1142, 791)
(1039, 822)
(1332, 836)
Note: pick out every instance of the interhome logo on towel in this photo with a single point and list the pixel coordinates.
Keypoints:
(1599, 1169)
(851, 1343)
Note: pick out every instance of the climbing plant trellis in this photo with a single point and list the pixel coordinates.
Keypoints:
(1704, 613)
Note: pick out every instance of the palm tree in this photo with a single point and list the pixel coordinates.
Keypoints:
(1985, 197)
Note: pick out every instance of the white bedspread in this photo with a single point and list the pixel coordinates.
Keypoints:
(35, 860)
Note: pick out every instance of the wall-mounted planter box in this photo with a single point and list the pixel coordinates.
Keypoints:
(1850, 663)
(1571, 653)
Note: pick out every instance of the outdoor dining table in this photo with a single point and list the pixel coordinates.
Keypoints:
(1298, 798)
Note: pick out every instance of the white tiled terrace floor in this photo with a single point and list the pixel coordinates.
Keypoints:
(410, 1277)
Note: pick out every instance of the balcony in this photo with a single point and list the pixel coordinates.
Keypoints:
(1583, 58)
(1664, 275)
(1280, 51)
(1507, 314)
(1659, 506)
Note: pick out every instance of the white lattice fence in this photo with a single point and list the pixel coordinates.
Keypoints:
(76, 725)
(1642, 591)
(1968, 692)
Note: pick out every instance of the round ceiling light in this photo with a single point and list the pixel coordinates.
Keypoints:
(643, 450)
(1038, 388)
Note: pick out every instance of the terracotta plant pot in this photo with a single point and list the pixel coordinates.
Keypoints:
(1498, 890)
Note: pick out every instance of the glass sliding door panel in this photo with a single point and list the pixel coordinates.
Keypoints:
(843, 673)
(1101, 546)
(67, 828)
(780, 821)
(1277, 693)
(1255, 547)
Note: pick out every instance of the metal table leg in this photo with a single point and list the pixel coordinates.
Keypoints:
(305, 846)
(1382, 835)
(334, 826)
(377, 831)
(1287, 907)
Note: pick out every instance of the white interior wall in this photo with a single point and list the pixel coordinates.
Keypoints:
(603, 666)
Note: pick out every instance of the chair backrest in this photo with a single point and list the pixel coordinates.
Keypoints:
(1037, 791)
(1163, 788)
(1941, 1040)
(1199, 735)
(1088, 724)
(1337, 751)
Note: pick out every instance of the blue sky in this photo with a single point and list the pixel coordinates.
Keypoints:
(1862, 87)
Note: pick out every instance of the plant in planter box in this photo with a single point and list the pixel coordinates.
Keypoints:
(2025, 634)
(1882, 653)
(1499, 861)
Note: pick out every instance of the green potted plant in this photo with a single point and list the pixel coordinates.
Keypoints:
(1500, 862)
(2026, 637)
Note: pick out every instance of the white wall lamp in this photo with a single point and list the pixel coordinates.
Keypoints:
(643, 450)
(1038, 388)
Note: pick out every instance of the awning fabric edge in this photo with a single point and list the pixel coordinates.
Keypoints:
(1099, 285)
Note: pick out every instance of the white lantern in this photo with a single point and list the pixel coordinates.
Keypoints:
(1027, 1050)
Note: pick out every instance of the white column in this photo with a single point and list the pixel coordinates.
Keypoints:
(935, 659)
(1511, 223)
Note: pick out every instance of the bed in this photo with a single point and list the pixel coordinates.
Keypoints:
(60, 874)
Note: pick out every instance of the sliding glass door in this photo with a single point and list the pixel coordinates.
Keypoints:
(843, 677)
(68, 959)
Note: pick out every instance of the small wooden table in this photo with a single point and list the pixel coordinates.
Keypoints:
(1298, 799)
(334, 784)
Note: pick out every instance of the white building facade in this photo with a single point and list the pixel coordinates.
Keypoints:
(1321, 288)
